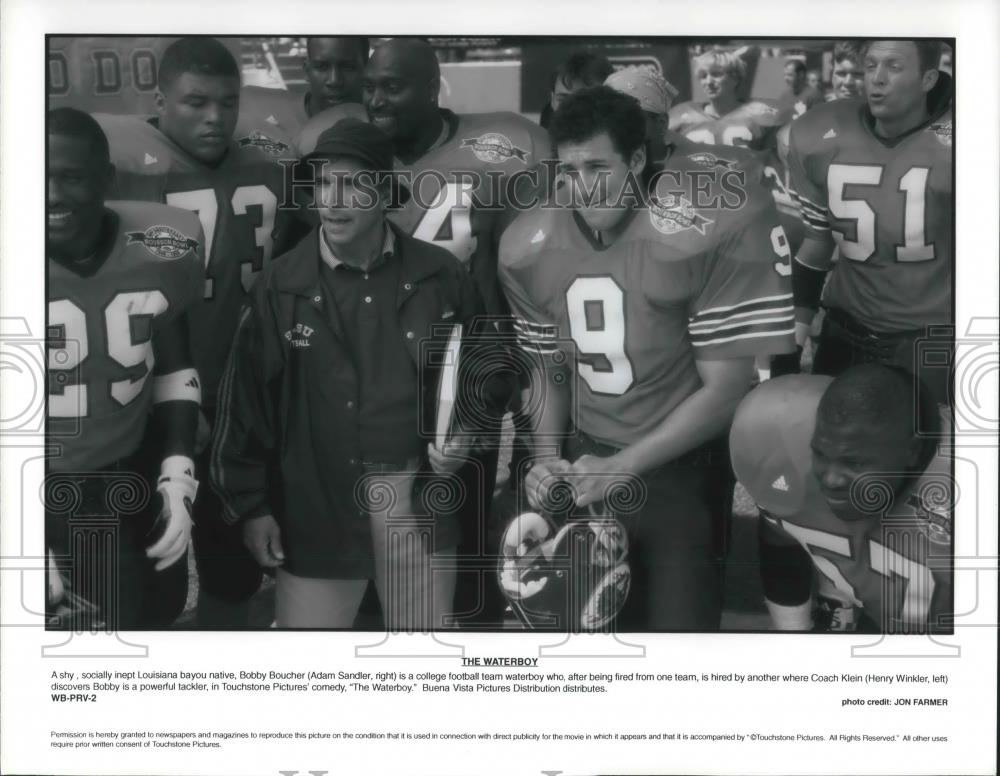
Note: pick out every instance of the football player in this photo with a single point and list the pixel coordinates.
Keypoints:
(800, 95)
(580, 70)
(844, 481)
(464, 171)
(848, 77)
(874, 179)
(657, 313)
(186, 156)
(123, 392)
(727, 120)
(333, 69)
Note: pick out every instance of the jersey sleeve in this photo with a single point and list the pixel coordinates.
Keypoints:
(535, 330)
(744, 305)
(808, 191)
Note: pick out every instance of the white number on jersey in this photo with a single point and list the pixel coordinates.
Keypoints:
(913, 185)
(732, 135)
(448, 222)
(600, 336)
(779, 242)
(205, 203)
(72, 400)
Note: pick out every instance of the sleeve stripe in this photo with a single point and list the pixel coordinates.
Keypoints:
(538, 351)
(786, 331)
(728, 323)
(534, 331)
(807, 202)
(714, 322)
(822, 223)
(760, 303)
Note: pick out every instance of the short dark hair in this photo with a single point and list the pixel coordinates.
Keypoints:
(360, 40)
(587, 67)
(798, 64)
(882, 396)
(71, 122)
(596, 109)
(847, 49)
(928, 52)
(205, 56)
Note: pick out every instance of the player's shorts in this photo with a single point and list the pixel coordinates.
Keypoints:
(226, 569)
(844, 342)
(97, 527)
(674, 550)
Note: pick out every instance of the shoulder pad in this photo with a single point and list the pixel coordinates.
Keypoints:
(769, 441)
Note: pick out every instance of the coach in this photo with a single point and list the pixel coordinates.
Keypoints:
(322, 400)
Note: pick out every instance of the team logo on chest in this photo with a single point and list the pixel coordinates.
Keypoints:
(942, 131)
(706, 159)
(298, 336)
(494, 148)
(673, 213)
(163, 241)
(257, 139)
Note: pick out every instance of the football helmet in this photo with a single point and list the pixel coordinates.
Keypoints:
(573, 577)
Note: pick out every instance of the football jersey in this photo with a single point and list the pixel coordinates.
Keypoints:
(754, 125)
(237, 203)
(895, 565)
(101, 327)
(680, 283)
(888, 205)
(276, 113)
(309, 132)
(466, 212)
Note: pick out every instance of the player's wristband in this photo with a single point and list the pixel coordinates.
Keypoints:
(177, 474)
(182, 385)
(807, 285)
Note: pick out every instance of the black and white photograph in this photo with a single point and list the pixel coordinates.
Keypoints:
(492, 363)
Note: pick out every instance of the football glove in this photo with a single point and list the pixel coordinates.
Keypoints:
(171, 532)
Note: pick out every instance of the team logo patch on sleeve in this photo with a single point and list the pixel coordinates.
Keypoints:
(258, 139)
(163, 241)
(495, 148)
(706, 159)
(942, 131)
(673, 213)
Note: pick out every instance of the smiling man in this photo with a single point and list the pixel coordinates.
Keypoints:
(123, 393)
(649, 318)
(187, 156)
(845, 482)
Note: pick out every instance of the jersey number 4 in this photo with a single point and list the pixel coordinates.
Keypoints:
(128, 332)
(913, 186)
(448, 222)
(206, 204)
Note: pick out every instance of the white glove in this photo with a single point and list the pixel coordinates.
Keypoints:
(178, 488)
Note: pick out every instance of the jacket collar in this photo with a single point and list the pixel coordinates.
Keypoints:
(298, 271)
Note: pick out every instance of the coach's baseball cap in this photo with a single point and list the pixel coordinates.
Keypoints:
(653, 93)
(357, 139)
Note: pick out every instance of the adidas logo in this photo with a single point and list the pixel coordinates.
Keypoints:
(271, 120)
(192, 383)
(150, 159)
(780, 484)
(830, 134)
(539, 236)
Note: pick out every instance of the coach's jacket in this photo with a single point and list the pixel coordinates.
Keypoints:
(286, 436)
